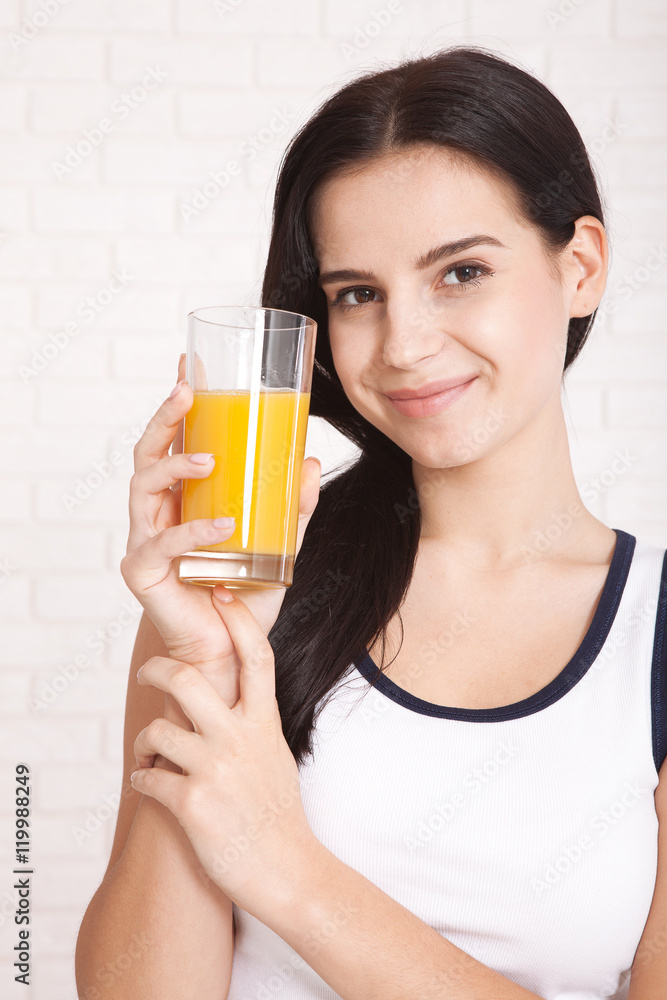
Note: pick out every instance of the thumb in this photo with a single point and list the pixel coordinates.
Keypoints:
(311, 474)
(177, 444)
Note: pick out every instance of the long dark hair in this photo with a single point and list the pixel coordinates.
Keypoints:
(358, 554)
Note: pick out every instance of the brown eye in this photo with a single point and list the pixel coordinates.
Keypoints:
(462, 275)
(360, 295)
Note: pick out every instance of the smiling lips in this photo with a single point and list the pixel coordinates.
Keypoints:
(431, 388)
(430, 398)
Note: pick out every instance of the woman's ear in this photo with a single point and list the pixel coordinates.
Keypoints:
(586, 260)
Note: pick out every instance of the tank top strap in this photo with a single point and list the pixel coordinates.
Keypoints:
(659, 674)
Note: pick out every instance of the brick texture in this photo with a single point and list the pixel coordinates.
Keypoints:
(113, 115)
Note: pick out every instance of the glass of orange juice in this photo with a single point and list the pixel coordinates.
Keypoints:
(250, 369)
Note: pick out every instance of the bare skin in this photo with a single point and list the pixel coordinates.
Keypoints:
(492, 643)
(492, 470)
(488, 485)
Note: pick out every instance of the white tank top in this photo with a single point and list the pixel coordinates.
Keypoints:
(526, 835)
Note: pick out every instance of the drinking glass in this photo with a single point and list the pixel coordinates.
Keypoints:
(250, 369)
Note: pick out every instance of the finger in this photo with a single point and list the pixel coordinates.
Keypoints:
(194, 693)
(257, 676)
(200, 382)
(162, 428)
(177, 446)
(166, 786)
(160, 476)
(172, 741)
(311, 474)
(150, 563)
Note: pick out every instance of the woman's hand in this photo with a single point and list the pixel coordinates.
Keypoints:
(187, 615)
(238, 798)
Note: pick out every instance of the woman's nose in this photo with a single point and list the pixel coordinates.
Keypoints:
(412, 331)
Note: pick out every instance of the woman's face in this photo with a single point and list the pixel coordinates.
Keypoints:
(490, 310)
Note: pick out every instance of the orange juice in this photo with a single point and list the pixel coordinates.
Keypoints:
(258, 441)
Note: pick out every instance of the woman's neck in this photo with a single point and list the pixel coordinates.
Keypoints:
(514, 504)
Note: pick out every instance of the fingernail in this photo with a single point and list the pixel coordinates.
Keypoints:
(177, 388)
(223, 595)
(224, 522)
(201, 457)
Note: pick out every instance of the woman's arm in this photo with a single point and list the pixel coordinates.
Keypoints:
(649, 969)
(155, 928)
(240, 788)
(367, 946)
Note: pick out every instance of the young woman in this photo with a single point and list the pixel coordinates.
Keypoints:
(434, 766)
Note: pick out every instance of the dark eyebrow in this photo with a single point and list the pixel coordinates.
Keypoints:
(422, 262)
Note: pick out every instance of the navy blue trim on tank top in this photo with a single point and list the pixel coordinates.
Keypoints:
(659, 675)
(589, 649)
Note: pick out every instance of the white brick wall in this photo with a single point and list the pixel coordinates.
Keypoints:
(67, 225)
